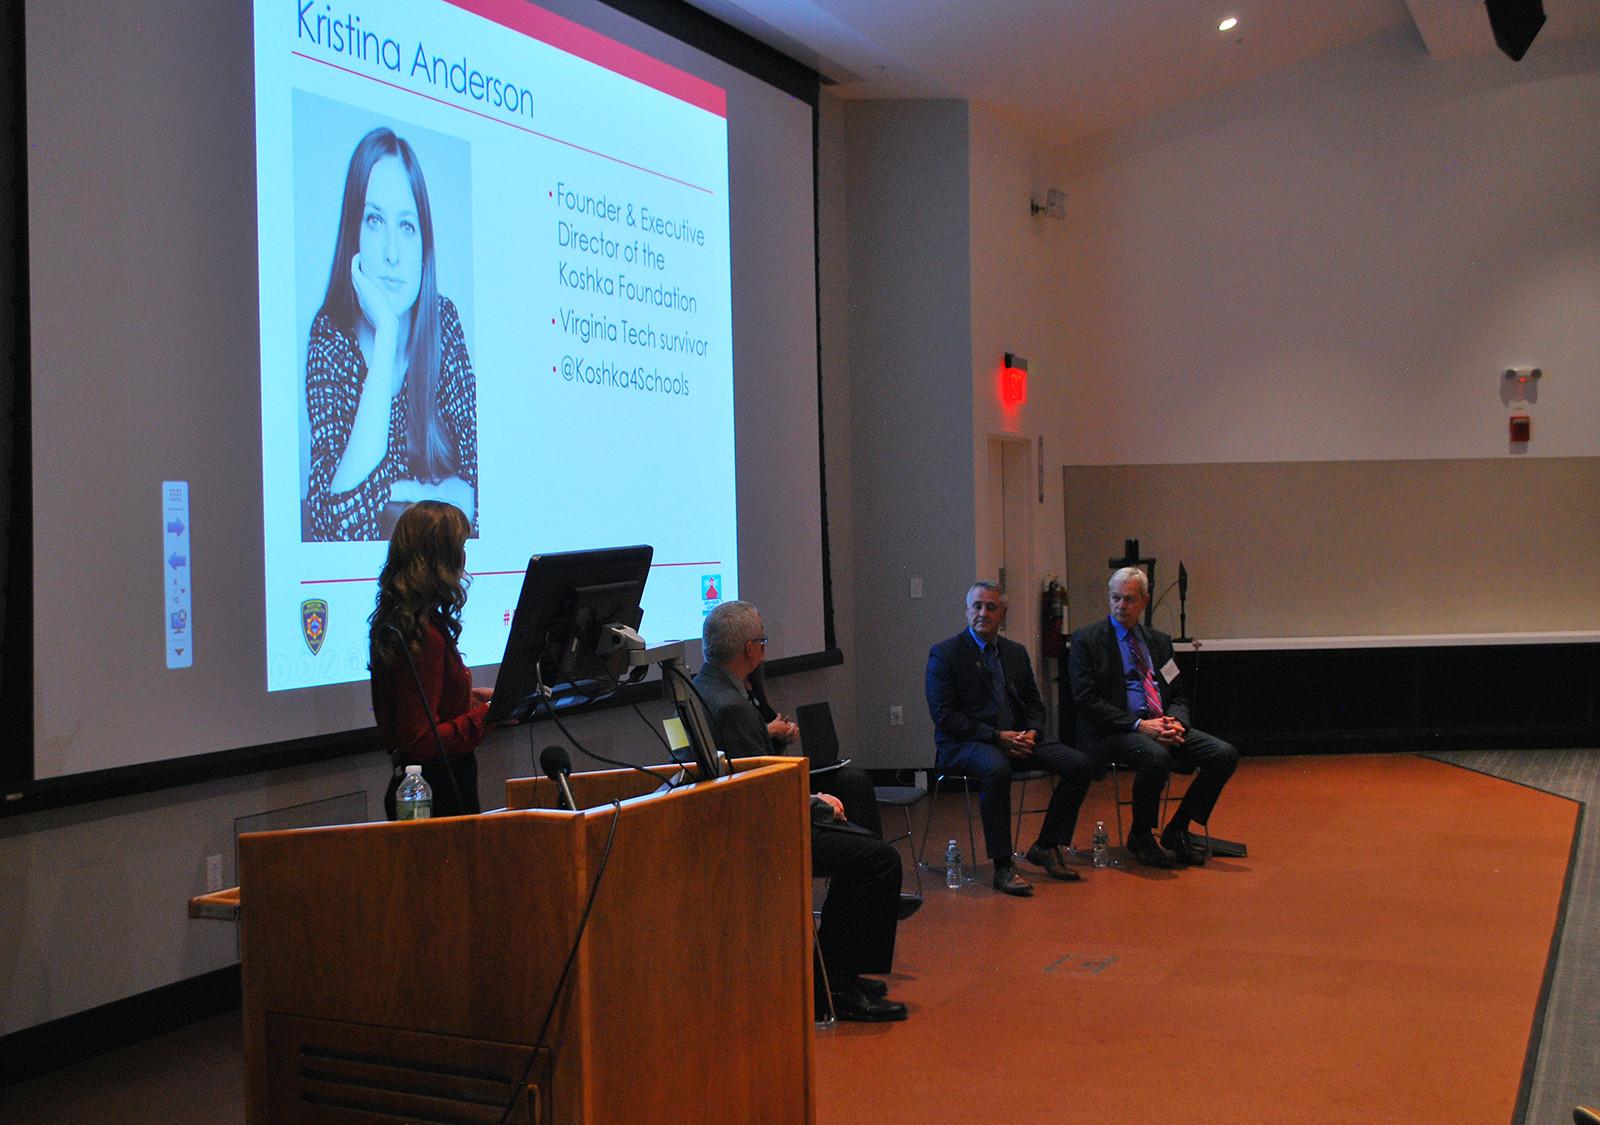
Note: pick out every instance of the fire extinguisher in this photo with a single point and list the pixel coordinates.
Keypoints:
(1055, 612)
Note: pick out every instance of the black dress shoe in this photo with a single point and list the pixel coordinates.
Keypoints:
(907, 906)
(1054, 865)
(1151, 854)
(852, 1003)
(1008, 882)
(1183, 849)
(873, 988)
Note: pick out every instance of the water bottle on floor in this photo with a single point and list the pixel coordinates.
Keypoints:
(952, 866)
(414, 799)
(1101, 844)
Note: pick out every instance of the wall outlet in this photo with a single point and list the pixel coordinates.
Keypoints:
(213, 873)
(916, 587)
(897, 715)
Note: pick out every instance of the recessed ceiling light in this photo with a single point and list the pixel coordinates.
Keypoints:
(1228, 24)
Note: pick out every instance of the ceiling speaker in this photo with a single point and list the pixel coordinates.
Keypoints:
(1515, 23)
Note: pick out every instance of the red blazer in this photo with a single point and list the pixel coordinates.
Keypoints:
(402, 721)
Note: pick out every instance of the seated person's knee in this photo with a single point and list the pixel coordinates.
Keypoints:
(1155, 758)
(1073, 766)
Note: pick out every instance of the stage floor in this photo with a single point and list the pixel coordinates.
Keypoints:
(1377, 957)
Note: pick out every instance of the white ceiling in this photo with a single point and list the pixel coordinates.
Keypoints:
(1067, 69)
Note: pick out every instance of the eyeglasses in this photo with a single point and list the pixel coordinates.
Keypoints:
(992, 607)
(761, 640)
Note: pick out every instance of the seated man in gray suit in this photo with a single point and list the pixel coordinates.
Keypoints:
(862, 910)
(1132, 709)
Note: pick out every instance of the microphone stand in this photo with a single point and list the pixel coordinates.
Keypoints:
(556, 769)
(1183, 609)
(1231, 849)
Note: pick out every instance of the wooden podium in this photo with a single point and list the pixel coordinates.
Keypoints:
(401, 971)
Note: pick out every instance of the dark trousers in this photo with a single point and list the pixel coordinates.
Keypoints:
(437, 774)
(993, 767)
(1212, 760)
(859, 916)
(853, 787)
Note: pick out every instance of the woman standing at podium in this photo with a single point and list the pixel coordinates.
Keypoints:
(428, 712)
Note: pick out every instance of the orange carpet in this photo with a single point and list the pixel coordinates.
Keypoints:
(1377, 958)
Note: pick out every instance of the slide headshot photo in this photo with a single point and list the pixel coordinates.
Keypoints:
(383, 271)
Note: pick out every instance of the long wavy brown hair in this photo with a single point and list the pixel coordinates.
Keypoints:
(423, 582)
(429, 450)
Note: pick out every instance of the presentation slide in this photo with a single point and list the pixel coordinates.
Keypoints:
(495, 271)
(292, 266)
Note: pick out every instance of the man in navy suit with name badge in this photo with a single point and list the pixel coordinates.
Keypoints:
(1132, 709)
(988, 719)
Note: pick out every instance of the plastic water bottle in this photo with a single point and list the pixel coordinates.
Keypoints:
(414, 799)
(1101, 842)
(952, 866)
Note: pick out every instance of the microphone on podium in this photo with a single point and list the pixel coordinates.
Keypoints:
(557, 764)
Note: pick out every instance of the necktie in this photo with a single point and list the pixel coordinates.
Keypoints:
(997, 685)
(1141, 664)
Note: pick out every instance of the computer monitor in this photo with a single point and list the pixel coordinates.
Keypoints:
(554, 651)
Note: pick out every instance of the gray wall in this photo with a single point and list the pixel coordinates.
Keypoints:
(1304, 290)
(1337, 261)
(911, 481)
(1296, 548)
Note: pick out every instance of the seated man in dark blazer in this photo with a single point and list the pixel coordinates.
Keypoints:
(862, 910)
(1132, 709)
(988, 718)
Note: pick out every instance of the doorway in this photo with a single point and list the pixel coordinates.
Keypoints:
(1005, 541)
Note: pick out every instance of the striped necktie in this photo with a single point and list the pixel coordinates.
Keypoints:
(1141, 664)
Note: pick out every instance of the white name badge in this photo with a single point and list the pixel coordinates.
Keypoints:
(1169, 671)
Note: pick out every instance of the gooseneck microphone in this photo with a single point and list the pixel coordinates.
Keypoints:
(557, 764)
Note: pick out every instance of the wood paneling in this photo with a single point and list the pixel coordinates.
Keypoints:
(698, 949)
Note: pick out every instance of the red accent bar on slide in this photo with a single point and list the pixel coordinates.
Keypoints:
(575, 39)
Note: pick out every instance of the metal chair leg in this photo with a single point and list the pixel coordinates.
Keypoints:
(927, 823)
(1022, 805)
(1116, 794)
(1023, 810)
(916, 866)
(819, 1021)
(972, 841)
(1116, 799)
